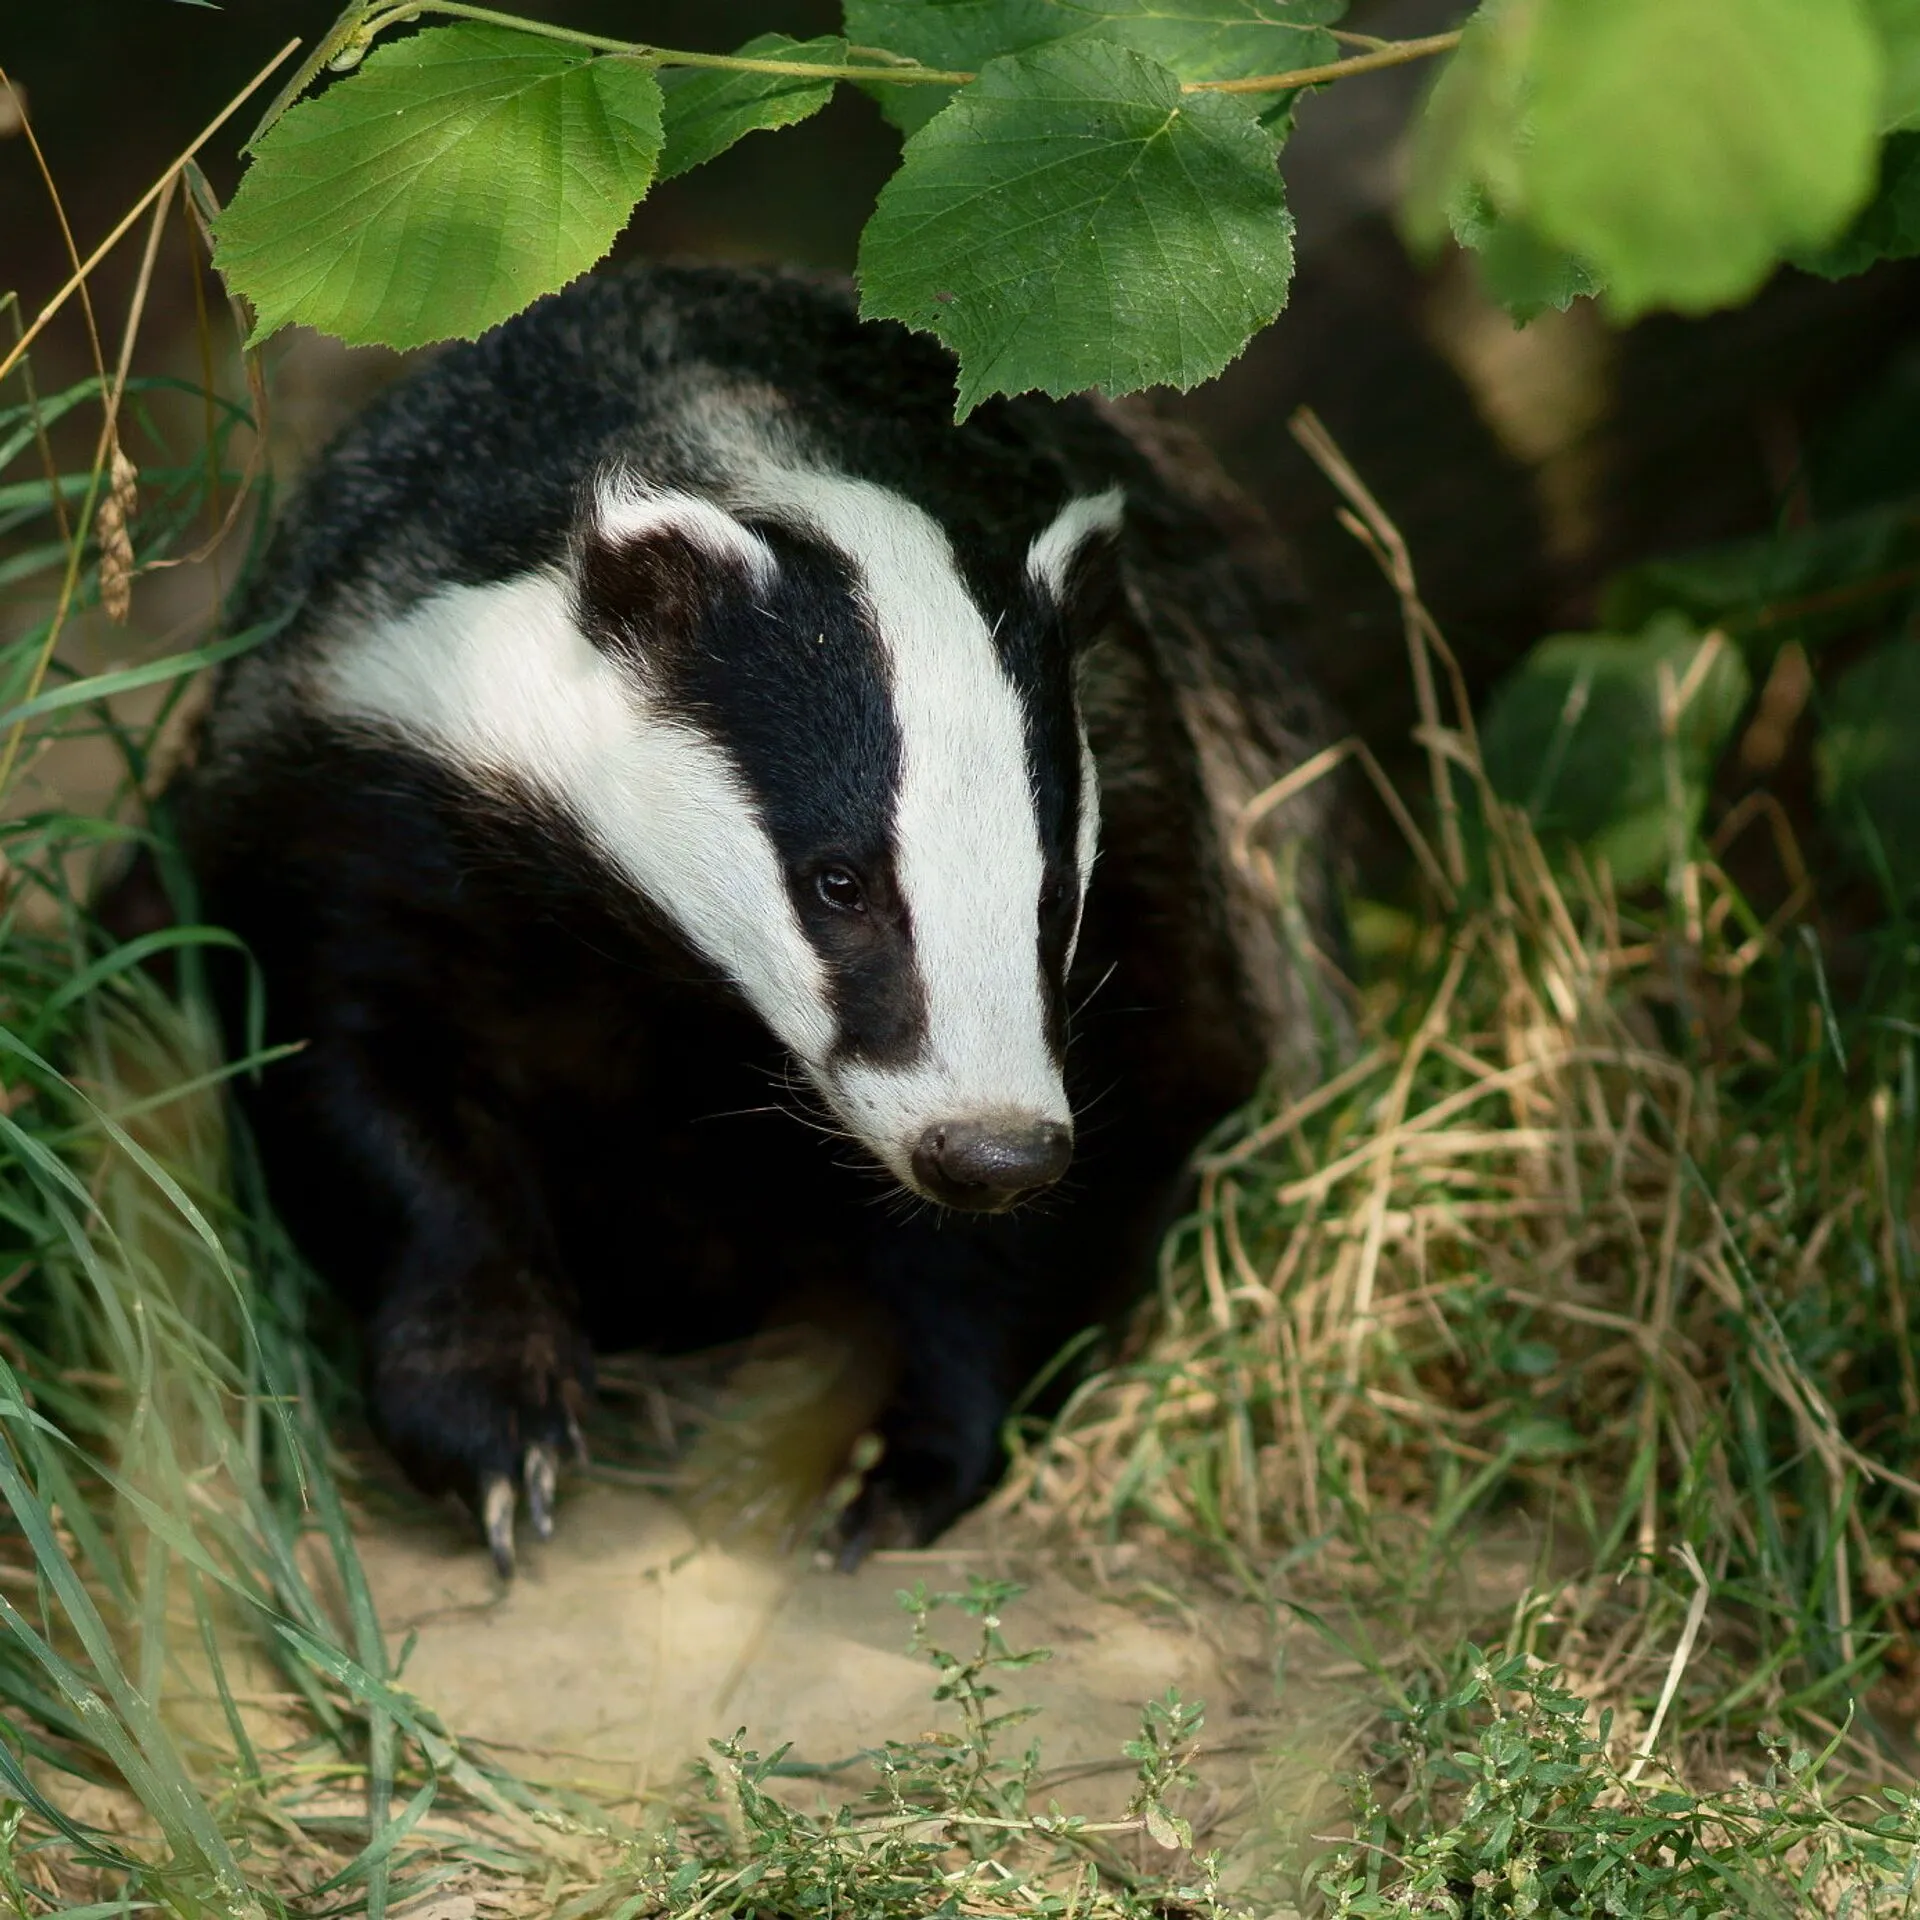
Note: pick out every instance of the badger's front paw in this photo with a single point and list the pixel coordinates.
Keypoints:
(922, 1483)
(482, 1397)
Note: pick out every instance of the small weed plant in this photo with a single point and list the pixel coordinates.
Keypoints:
(947, 1823)
(1501, 1799)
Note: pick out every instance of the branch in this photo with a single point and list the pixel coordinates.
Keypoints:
(885, 66)
(356, 30)
(1394, 53)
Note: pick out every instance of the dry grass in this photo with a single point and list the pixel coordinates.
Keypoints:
(1565, 1239)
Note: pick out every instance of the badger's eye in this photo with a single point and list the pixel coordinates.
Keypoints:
(841, 890)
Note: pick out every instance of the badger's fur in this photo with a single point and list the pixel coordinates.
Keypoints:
(677, 722)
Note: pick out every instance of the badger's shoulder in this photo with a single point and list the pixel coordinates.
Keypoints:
(1201, 715)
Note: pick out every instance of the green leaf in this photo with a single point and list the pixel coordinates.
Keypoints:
(1166, 1829)
(452, 180)
(1071, 220)
(1678, 148)
(1889, 226)
(1807, 585)
(1576, 737)
(1866, 757)
(1467, 142)
(1535, 1358)
(1197, 39)
(1683, 146)
(708, 109)
(1540, 1438)
(1898, 24)
(1524, 273)
(956, 35)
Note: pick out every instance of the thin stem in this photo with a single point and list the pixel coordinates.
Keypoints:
(952, 1817)
(910, 73)
(160, 186)
(1396, 53)
(881, 65)
(377, 23)
(331, 45)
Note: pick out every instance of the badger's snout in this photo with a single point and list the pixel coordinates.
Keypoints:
(982, 1166)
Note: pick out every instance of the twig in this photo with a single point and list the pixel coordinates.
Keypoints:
(910, 74)
(1657, 1311)
(1321, 764)
(1397, 54)
(1389, 548)
(1301, 1110)
(1393, 1120)
(23, 341)
(1682, 1653)
(81, 273)
(1521, 1073)
(351, 37)
(104, 454)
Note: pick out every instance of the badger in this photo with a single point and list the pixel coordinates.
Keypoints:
(720, 832)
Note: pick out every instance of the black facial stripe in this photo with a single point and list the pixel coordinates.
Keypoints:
(645, 597)
(786, 676)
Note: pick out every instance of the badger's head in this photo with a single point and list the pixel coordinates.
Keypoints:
(862, 792)
(845, 768)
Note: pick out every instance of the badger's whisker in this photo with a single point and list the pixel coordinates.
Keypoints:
(1086, 999)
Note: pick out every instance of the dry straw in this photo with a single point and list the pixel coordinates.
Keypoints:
(1531, 1249)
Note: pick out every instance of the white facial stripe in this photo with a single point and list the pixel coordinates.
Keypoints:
(626, 509)
(1050, 558)
(966, 836)
(1086, 843)
(499, 679)
(1049, 562)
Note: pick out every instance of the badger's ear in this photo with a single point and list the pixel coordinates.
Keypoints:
(650, 563)
(1073, 561)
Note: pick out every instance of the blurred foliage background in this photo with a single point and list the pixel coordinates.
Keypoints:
(1524, 466)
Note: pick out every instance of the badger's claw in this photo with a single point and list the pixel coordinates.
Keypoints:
(541, 1473)
(855, 1542)
(904, 1496)
(540, 1479)
(496, 1518)
(481, 1397)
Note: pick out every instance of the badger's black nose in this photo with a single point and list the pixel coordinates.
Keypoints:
(984, 1165)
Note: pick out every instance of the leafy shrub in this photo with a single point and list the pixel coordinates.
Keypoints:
(1087, 194)
(1507, 1804)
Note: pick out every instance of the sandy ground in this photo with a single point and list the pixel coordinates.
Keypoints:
(625, 1644)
